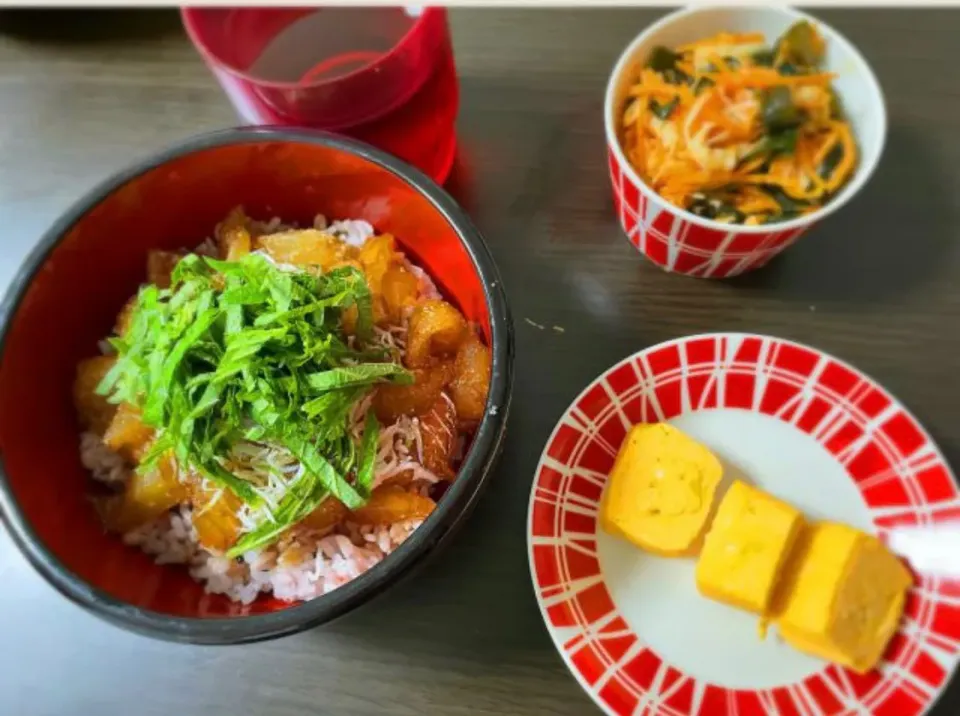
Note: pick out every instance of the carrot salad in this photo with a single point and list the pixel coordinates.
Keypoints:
(734, 130)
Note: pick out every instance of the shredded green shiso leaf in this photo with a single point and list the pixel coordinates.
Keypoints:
(247, 351)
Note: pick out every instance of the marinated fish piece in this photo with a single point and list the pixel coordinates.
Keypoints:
(95, 411)
(471, 381)
(438, 431)
(234, 239)
(389, 504)
(160, 266)
(146, 496)
(377, 256)
(125, 317)
(392, 400)
(307, 247)
(400, 289)
(330, 513)
(238, 244)
(127, 434)
(214, 515)
(436, 331)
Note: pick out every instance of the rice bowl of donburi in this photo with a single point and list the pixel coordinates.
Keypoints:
(288, 409)
(278, 411)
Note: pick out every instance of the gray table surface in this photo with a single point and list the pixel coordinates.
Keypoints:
(82, 94)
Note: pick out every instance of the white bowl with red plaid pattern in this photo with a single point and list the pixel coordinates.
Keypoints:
(684, 243)
(794, 421)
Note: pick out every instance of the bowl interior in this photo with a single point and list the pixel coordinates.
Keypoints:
(856, 85)
(73, 298)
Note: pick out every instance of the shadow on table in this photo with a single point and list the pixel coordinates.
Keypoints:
(888, 240)
(525, 145)
(461, 183)
(539, 192)
(88, 26)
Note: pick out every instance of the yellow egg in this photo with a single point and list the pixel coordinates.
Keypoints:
(843, 596)
(660, 491)
(746, 548)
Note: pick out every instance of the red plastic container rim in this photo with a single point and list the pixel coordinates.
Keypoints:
(187, 15)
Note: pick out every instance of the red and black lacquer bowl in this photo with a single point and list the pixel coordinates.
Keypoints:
(65, 298)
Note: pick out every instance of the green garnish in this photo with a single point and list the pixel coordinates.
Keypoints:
(701, 84)
(801, 45)
(368, 453)
(790, 208)
(247, 351)
(662, 59)
(763, 58)
(784, 142)
(663, 111)
(779, 111)
(830, 162)
(358, 375)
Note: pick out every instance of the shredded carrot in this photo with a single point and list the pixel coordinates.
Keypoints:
(706, 136)
(765, 77)
(754, 201)
(720, 63)
(845, 168)
(751, 165)
(826, 147)
(639, 91)
(724, 38)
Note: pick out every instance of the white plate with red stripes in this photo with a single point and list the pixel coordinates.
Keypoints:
(797, 422)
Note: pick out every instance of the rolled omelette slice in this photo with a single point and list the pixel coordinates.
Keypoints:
(747, 547)
(842, 596)
(660, 492)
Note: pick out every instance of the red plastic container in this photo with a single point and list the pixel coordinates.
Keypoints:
(385, 75)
